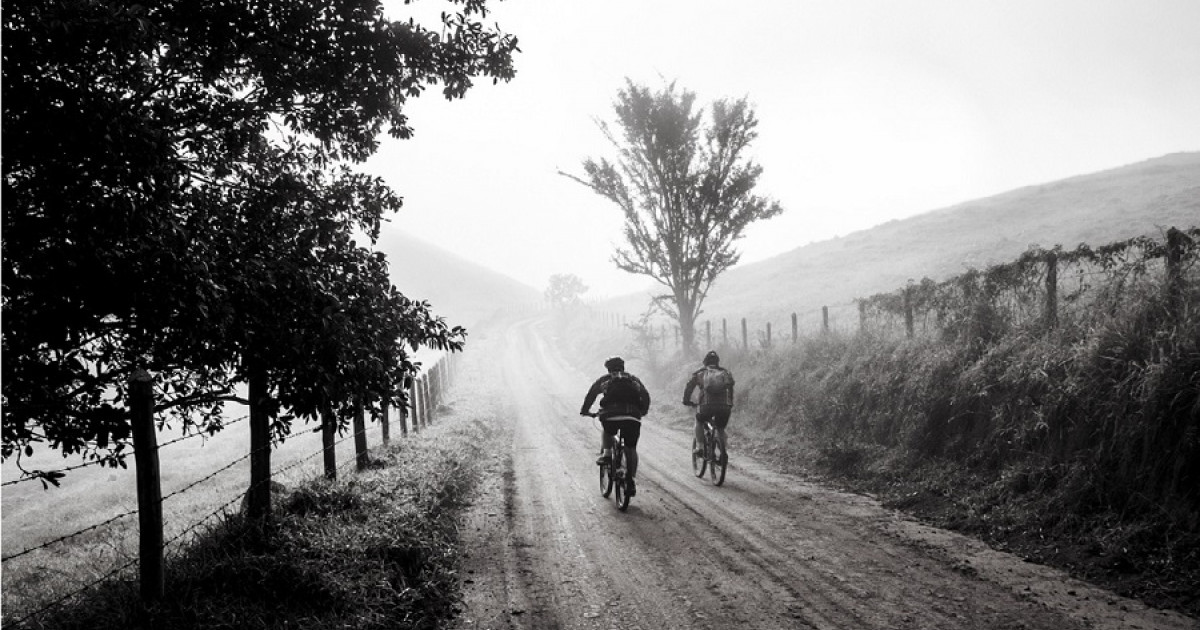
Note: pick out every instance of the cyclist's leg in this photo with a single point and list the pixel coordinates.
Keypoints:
(699, 431)
(607, 431)
(720, 419)
(631, 430)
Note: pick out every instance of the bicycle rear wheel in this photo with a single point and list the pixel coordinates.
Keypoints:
(698, 461)
(719, 460)
(622, 494)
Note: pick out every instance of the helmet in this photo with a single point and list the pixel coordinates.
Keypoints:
(615, 364)
(711, 358)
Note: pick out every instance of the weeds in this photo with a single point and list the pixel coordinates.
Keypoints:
(376, 551)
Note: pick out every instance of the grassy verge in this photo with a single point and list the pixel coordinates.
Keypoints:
(377, 549)
(1077, 448)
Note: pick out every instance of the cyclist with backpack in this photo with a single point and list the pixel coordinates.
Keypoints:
(716, 397)
(625, 401)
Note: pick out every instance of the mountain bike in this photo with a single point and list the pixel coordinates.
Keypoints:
(612, 473)
(712, 457)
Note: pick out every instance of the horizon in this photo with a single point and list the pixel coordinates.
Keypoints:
(869, 112)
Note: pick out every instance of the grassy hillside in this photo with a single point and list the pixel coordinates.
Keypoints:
(461, 291)
(1111, 205)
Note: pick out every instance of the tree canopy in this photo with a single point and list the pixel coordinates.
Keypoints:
(565, 289)
(179, 197)
(686, 187)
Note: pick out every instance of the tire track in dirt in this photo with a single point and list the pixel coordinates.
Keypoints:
(764, 551)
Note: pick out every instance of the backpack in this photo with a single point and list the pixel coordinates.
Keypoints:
(716, 382)
(622, 389)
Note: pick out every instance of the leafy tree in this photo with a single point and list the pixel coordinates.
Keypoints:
(565, 289)
(686, 188)
(177, 199)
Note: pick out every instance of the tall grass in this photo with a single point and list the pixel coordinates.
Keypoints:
(377, 550)
(1087, 434)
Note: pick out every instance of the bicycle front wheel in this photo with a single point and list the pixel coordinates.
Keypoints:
(698, 460)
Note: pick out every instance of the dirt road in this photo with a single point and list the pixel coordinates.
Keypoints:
(545, 550)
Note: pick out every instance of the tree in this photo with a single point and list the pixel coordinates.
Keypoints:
(565, 289)
(178, 198)
(686, 189)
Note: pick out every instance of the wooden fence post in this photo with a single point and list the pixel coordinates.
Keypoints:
(402, 410)
(1174, 279)
(768, 334)
(149, 488)
(258, 499)
(862, 317)
(361, 459)
(795, 330)
(724, 333)
(426, 403)
(708, 333)
(1051, 314)
(745, 337)
(825, 319)
(908, 312)
(384, 429)
(328, 442)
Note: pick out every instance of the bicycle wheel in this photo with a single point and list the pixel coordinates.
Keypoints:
(606, 480)
(698, 461)
(719, 460)
(621, 496)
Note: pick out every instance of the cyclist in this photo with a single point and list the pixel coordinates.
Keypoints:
(716, 397)
(624, 404)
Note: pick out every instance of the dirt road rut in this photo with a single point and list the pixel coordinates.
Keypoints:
(545, 550)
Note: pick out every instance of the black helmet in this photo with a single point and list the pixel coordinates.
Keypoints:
(711, 358)
(615, 364)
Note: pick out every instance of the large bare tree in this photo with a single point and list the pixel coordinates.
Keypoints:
(686, 187)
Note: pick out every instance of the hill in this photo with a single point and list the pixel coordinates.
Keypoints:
(461, 291)
(1098, 208)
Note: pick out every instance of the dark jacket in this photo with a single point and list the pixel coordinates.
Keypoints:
(707, 398)
(613, 408)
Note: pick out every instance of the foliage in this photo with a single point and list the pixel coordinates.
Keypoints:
(1081, 436)
(979, 306)
(565, 289)
(177, 200)
(378, 551)
(686, 189)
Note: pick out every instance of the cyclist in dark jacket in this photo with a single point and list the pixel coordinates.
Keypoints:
(622, 407)
(716, 401)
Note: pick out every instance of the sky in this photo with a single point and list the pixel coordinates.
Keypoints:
(869, 111)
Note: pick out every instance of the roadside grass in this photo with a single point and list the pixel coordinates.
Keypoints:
(34, 516)
(376, 549)
(1078, 448)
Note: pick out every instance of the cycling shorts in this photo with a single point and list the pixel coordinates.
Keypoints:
(630, 430)
(718, 415)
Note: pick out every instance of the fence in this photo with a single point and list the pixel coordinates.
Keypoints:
(1042, 288)
(423, 394)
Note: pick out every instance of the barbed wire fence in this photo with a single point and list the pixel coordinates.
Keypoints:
(1042, 289)
(424, 394)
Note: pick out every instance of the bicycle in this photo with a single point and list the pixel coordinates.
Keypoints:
(712, 458)
(612, 473)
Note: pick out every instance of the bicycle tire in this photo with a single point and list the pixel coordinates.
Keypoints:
(719, 462)
(606, 480)
(622, 494)
(698, 461)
